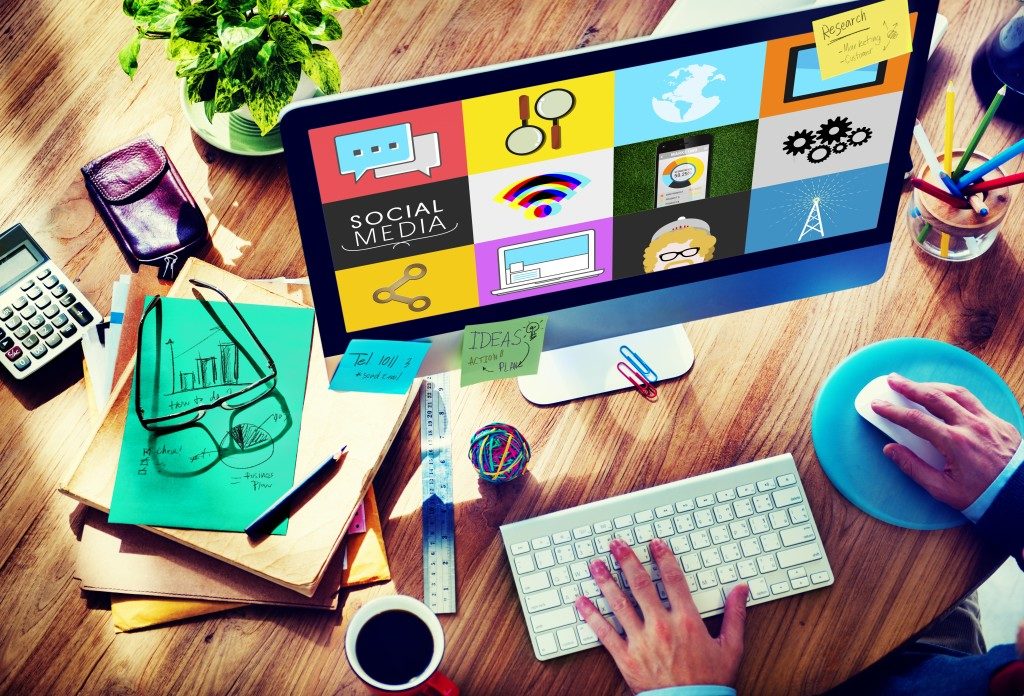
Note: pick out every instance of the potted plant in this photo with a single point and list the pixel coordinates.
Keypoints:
(235, 53)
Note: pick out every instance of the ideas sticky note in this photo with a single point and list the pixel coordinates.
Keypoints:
(502, 349)
(379, 367)
(863, 36)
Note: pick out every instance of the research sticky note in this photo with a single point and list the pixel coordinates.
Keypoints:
(863, 36)
(502, 349)
(380, 367)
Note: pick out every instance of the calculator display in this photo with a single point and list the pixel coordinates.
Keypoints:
(15, 264)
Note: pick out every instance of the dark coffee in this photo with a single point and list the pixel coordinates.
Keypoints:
(394, 647)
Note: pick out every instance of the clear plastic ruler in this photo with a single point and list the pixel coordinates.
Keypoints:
(438, 505)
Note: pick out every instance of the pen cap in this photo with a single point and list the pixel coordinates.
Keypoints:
(964, 222)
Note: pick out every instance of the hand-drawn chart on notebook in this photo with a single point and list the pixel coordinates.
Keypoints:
(213, 420)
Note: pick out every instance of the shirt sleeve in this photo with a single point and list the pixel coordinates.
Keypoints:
(1000, 526)
(694, 690)
(979, 507)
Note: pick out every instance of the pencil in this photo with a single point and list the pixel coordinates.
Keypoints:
(977, 202)
(976, 138)
(933, 190)
(984, 168)
(944, 246)
(989, 184)
(947, 155)
(282, 507)
(932, 159)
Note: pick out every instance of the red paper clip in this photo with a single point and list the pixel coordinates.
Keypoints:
(639, 382)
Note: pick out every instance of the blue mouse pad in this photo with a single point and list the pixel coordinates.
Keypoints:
(850, 449)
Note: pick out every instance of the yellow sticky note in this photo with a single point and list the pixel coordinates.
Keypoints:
(861, 37)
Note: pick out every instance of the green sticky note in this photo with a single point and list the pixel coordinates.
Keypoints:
(502, 349)
(229, 466)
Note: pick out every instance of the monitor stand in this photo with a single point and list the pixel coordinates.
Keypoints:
(591, 368)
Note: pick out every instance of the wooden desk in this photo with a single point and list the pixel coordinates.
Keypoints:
(64, 101)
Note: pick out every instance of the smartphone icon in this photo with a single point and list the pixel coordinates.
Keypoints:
(683, 166)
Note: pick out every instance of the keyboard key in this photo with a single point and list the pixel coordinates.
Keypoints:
(746, 490)
(709, 600)
(725, 496)
(820, 577)
(559, 575)
(644, 533)
(800, 583)
(767, 564)
(700, 539)
(684, 523)
(690, 562)
(680, 545)
(546, 644)
(627, 536)
(556, 618)
(720, 535)
(707, 579)
(723, 513)
(786, 480)
(780, 587)
(51, 311)
(731, 552)
(759, 524)
(664, 528)
(6, 313)
(799, 514)
(13, 322)
(602, 605)
(587, 636)
(540, 543)
(42, 302)
(766, 485)
(33, 293)
(13, 353)
(750, 547)
(795, 573)
(544, 559)
(770, 542)
(561, 537)
(68, 330)
(60, 320)
(80, 314)
(539, 601)
(585, 549)
(762, 503)
(22, 331)
(797, 535)
(691, 584)
(579, 571)
(602, 527)
(37, 321)
(569, 593)
(684, 505)
(28, 312)
(50, 282)
(590, 588)
(652, 570)
(643, 553)
(42, 273)
(726, 574)
(535, 583)
(564, 554)
(660, 586)
(623, 521)
(65, 301)
(664, 511)
(601, 543)
(739, 530)
(710, 557)
(521, 547)
(20, 302)
(787, 496)
(59, 290)
(29, 342)
(27, 283)
(524, 564)
(567, 638)
(758, 588)
(6, 344)
(799, 555)
(582, 532)
(643, 516)
(746, 569)
(743, 508)
(779, 519)
(705, 500)
(703, 518)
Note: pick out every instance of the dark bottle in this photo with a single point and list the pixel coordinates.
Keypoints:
(1001, 61)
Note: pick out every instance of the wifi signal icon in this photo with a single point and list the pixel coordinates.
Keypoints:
(543, 195)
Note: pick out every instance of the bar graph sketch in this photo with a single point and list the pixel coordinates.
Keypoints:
(212, 362)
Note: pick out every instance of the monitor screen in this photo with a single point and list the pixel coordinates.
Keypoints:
(564, 180)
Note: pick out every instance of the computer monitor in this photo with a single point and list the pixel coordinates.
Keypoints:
(620, 190)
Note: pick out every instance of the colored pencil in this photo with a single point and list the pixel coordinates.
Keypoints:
(932, 159)
(989, 184)
(944, 245)
(947, 154)
(977, 202)
(976, 138)
(1002, 158)
(924, 232)
(933, 190)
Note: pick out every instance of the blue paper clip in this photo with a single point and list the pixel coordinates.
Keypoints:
(638, 364)
(639, 382)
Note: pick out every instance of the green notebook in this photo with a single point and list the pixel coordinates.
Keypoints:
(222, 471)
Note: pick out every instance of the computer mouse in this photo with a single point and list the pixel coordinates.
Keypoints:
(879, 389)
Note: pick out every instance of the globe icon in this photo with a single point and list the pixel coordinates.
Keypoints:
(684, 99)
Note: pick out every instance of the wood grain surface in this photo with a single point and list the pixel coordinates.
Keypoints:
(64, 101)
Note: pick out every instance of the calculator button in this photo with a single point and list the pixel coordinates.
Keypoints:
(51, 311)
(49, 282)
(60, 320)
(22, 331)
(6, 344)
(43, 273)
(6, 313)
(3, 334)
(13, 322)
(67, 300)
(31, 341)
(39, 351)
(20, 302)
(28, 312)
(60, 290)
(54, 340)
(43, 301)
(68, 331)
(13, 353)
(34, 292)
(45, 330)
(80, 313)
(37, 321)
(22, 363)
(27, 284)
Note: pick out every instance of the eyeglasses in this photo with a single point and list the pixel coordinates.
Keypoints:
(673, 255)
(238, 399)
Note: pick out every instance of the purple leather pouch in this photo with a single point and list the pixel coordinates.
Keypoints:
(146, 205)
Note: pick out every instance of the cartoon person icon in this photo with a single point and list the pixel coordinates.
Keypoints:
(683, 242)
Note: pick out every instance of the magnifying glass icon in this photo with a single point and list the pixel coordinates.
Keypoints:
(524, 139)
(553, 105)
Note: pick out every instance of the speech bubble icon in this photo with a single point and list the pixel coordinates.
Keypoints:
(426, 156)
(370, 149)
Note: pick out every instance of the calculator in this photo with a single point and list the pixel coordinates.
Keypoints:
(42, 313)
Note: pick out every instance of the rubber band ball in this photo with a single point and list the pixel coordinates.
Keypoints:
(499, 452)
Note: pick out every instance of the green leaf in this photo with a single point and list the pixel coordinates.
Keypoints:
(179, 50)
(230, 94)
(204, 61)
(265, 53)
(157, 15)
(269, 91)
(129, 56)
(332, 6)
(234, 35)
(201, 86)
(305, 15)
(322, 67)
(328, 30)
(292, 46)
(242, 64)
(272, 8)
(209, 109)
(195, 23)
(130, 7)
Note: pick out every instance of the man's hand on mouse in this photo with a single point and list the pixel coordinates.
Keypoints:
(664, 647)
(976, 443)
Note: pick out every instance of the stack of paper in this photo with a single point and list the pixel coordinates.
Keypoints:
(100, 344)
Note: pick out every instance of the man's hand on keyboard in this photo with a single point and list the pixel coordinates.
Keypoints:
(665, 647)
(976, 443)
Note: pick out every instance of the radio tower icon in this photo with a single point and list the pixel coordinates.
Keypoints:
(813, 221)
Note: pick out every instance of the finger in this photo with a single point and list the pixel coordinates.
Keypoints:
(929, 478)
(938, 402)
(673, 578)
(617, 600)
(639, 579)
(605, 632)
(735, 619)
(921, 424)
(961, 395)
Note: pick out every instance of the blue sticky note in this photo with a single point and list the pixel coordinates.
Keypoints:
(379, 367)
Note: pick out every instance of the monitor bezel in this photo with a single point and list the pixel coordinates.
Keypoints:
(300, 118)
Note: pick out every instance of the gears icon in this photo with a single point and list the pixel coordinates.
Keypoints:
(798, 143)
(834, 130)
(819, 154)
(839, 148)
(859, 136)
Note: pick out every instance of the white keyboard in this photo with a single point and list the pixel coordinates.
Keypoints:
(747, 523)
